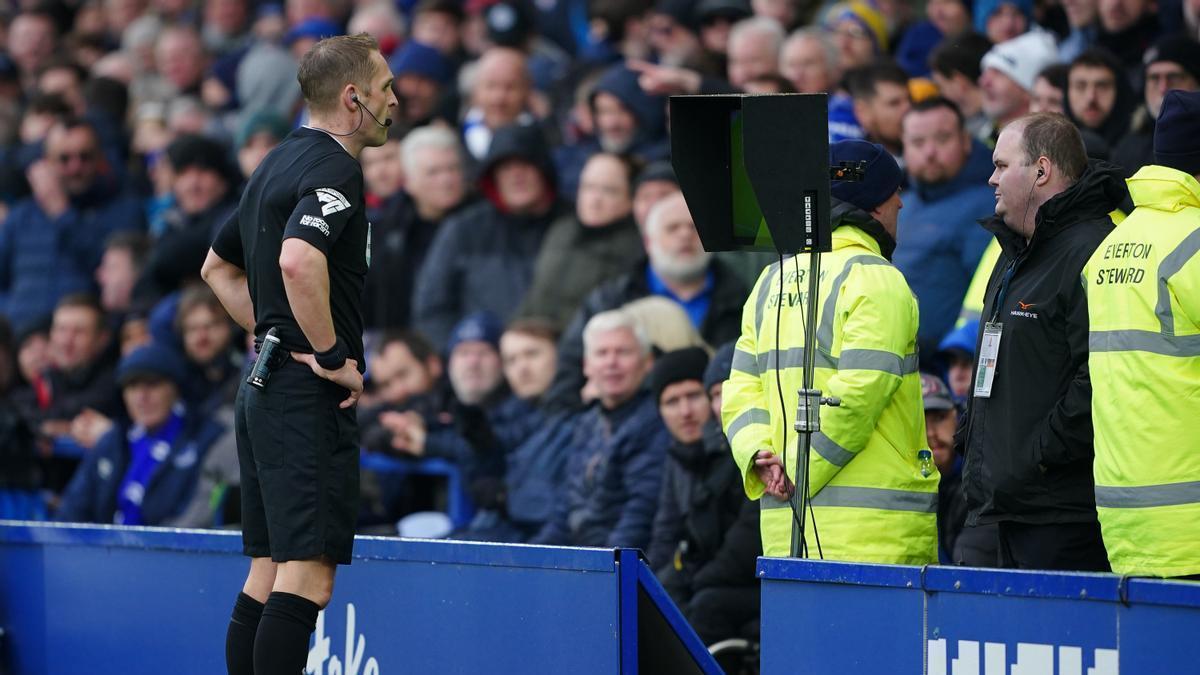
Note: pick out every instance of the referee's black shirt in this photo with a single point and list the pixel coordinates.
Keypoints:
(309, 188)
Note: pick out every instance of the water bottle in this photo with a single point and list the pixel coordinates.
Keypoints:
(925, 457)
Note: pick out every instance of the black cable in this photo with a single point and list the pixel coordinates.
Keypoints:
(796, 521)
(360, 121)
(804, 335)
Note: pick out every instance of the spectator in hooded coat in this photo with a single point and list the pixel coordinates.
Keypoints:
(627, 121)
(482, 258)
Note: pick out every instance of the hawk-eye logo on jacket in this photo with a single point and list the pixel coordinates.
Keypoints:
(1023, 310)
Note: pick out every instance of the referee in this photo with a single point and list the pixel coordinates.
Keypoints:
(294, 258)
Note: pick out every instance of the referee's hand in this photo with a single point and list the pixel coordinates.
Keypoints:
(347, 376)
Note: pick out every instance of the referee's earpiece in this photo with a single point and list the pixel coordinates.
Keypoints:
(1040, 171)
(354, 99)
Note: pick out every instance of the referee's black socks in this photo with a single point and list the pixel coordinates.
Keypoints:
(281, 646)
(239, 640)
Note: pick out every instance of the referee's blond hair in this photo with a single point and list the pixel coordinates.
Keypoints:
(333, 63)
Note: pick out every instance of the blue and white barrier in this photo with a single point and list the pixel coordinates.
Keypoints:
(828, 617)
(104, 599)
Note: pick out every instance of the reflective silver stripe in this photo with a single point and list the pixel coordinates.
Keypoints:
(751, 416)
(877, 359)
(825, 330)
(771, 502)
(792, 358)
(1170, 494)
(1144, 341)
(830, 451)
(877, 498)
(745, 362)
(1171, 264)
(764, 291)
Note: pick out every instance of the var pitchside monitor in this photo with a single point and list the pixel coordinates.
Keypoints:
(754, 170)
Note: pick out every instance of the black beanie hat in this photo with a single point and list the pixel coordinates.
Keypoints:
(1177, 49)
(203, 152)
(718, 369)
(1177, 132)
(677, 366)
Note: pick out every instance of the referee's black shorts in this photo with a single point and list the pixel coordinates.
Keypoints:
(299, 460)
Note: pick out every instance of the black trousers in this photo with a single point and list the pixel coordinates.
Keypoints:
(722, 612)
(1067, 547)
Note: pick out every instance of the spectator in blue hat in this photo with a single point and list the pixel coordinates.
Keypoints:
(143, 472)
(625, 119)
(946, 19)
(473, 358)
(422, 77)
(303, 35)
(1003, 20)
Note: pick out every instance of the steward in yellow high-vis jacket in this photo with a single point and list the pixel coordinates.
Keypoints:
(1143, 287)
(870, 499)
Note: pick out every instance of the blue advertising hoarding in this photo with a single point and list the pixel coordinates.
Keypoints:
(827, 617)
(105, 599)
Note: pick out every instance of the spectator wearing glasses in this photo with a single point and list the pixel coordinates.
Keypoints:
(52, 242)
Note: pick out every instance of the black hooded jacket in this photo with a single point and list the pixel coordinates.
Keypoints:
(705, 531)
(1029, 445)
(482, 257)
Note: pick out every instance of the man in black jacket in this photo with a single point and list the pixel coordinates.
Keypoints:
(705, 540)
(1028, 430)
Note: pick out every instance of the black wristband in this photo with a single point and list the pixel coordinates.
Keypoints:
(332, 358)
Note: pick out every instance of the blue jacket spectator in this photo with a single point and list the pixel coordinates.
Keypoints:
(533, 474)
(613, 478)
(482, 258)
(52, 242)
(627, 121)
(617, 453)
(939, 240)
(143, 473)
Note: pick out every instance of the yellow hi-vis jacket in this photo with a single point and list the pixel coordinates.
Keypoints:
(869, 499)
(1143, 288)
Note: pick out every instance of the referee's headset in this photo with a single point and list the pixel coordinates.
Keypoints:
(385, 124)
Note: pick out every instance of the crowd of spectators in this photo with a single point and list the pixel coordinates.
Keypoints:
(541, 312)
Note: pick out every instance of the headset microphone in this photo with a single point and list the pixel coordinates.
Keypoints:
(384, 124)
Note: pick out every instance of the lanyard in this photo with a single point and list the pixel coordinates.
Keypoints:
(1003, 292)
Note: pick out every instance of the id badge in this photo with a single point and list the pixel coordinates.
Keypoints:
(989, 348)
